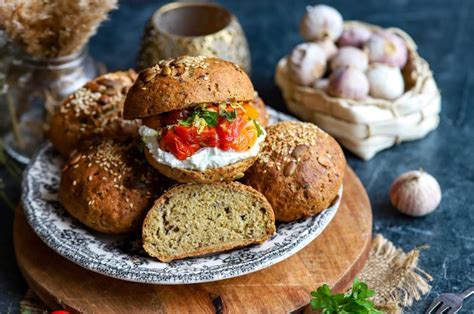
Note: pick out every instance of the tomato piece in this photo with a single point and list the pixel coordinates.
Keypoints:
(246, 138)
(228, 132)
(174, 144)
(206, 138)
(251, 111)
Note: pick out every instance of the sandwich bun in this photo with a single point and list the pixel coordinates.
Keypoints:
(184, 82)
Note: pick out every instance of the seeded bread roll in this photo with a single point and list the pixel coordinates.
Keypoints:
(93, 111)
(196, 219)
(184, 82)
(222, 174)
(300, 169)
(109, 187)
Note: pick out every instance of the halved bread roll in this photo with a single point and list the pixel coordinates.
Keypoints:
(196, 219)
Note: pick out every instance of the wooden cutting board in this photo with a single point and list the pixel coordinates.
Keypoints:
(335, 257)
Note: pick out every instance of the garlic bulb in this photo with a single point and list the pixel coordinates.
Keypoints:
(388, 48)
(415, 193)
(355, 36)
(329, 47)
(321, 84)
(350, 56)
(348, 83)
(321, 22)
(306, 63)
(385, 82)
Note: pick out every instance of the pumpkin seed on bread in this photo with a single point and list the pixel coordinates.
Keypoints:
(196, 219)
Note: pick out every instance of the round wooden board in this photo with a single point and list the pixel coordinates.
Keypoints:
(335, 257)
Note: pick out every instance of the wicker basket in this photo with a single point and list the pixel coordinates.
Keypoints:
(368, 126)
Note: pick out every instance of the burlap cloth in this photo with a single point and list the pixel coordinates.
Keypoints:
(391, 272)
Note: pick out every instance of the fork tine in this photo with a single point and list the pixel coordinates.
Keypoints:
(436, 302)
(443, 308)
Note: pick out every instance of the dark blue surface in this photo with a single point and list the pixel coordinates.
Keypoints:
(443, 31)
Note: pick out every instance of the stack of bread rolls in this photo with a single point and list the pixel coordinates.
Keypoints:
(183, 153)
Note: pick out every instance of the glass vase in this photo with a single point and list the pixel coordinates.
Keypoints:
(34, 88)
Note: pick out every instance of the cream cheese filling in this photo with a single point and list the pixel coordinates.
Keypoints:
(204, 158)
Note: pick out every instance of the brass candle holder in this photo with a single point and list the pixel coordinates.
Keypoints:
(184, 28)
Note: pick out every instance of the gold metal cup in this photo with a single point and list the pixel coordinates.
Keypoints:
(184, 28)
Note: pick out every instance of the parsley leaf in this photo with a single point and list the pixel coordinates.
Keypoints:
(209, 116)
(355, 301)
(229, 115)
(187, 122)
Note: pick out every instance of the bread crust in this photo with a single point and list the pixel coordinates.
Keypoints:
(184, 82)
(301, 182)
(269, 230)
(227, 173)
(93, 112)
(110, 194)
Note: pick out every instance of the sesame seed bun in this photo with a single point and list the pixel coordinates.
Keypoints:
(222, 174)
(109, 187)
(184, 82)
(92, 112)
(299, 169)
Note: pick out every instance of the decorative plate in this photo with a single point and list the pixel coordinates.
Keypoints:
(122, 257)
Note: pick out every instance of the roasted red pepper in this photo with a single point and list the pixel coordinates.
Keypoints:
(228, 127)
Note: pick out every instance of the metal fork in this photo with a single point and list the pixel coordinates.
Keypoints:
(449, 302)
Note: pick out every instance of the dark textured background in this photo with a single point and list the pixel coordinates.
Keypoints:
(443, 31)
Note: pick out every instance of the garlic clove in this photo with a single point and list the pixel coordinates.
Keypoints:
(321, 84)
(388, 48)
(306, 63)
(415, 193)
(321, 22)
(348, 83)
(385, 82)
(355, 36)
(350, 56)
(329, 47)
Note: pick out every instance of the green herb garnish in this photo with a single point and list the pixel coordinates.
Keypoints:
(229, 115)
(259, 128)
(186, 122)
(355, 301)
(211, 117)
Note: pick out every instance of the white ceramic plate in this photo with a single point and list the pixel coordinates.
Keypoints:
(123, 258)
